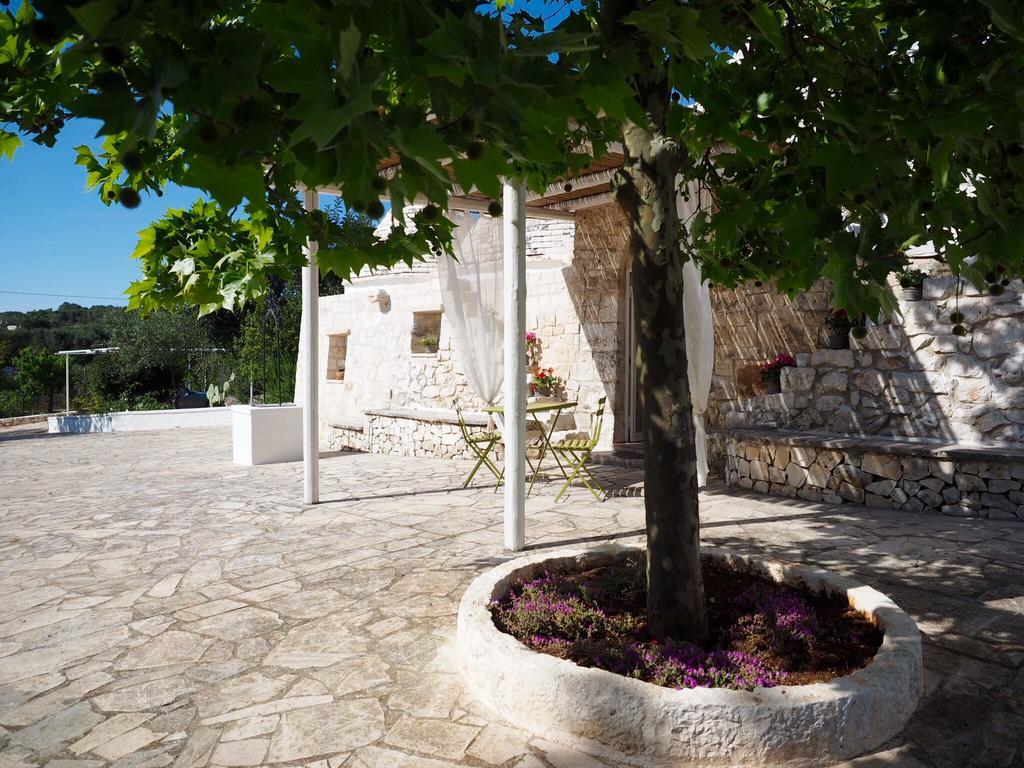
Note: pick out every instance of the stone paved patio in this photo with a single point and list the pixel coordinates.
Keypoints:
(164, 607)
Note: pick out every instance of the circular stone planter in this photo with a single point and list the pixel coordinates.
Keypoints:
(636, 722)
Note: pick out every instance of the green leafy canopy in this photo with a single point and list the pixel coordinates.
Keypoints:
(832, 135)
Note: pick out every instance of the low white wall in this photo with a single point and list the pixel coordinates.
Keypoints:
(135, 421)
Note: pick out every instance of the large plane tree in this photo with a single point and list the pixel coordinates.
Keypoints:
(829, 135)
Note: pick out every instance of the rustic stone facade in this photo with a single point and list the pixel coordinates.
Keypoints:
(406, 432)
(909, 377)
(908, 475)
(753, 323)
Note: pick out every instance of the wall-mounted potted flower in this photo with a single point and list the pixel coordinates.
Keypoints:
(837, 327)
(912, 282)
(771, 372)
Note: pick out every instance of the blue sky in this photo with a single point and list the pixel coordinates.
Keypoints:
(58, 238)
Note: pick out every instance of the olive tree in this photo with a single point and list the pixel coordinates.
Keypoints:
(830, 135)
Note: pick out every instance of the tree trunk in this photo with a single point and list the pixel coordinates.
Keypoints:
(646, 190)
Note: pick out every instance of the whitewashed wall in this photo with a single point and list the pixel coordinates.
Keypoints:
(573, 279)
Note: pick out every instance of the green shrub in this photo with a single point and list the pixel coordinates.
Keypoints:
(10, 403)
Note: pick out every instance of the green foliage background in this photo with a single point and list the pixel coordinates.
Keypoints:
(162, 350)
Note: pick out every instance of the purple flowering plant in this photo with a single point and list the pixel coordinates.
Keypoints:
(762, 631)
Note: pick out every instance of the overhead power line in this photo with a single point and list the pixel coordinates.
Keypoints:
(65, 295)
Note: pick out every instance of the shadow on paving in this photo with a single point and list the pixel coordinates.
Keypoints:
(962, 580)
(24, 433)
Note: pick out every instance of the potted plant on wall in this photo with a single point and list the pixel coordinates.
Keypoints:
(771, 372)
(837, 326)
(429, 343)
(912, 282)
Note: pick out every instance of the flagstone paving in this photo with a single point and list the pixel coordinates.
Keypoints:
(162, 607)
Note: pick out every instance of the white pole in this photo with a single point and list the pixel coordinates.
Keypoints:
(515, 365)
(311, 340)
(67, 385)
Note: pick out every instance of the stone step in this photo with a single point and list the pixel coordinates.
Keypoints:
(620, 456)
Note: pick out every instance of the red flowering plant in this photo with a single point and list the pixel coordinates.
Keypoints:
(544, 380)
(772, 370)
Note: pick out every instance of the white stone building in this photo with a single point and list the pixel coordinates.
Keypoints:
(381, 390)
(910, 380)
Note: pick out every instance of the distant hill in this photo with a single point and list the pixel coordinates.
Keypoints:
(69, 326)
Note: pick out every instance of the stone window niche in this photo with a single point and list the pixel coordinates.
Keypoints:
(426, 332)
(337, 353)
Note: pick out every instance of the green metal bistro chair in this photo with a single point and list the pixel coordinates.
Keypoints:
(576, 452)
(481, 444)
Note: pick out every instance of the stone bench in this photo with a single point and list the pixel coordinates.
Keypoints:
(426, 432)
(346, 435)
(430, 416)
(911, 474)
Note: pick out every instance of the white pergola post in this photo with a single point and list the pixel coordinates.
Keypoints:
(311, 340)
(514, 250)
(67, 385)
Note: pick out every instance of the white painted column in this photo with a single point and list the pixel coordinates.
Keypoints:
(310, 334)
(514, 254)
(67, 385)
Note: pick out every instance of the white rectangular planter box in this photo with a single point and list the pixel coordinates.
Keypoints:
(266, 434)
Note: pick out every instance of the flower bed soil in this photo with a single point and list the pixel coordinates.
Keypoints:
(763, 633)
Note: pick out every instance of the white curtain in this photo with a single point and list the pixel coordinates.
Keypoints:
(700, 337)
(472, 292)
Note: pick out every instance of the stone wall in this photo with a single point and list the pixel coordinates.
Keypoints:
(909, 377)
(753, 323)
(409, 432)
(17, 421)
(343, 436)
(574, 280)
(914, 476)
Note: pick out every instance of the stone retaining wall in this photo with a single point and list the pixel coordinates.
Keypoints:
(920, 476)
(18, 421)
